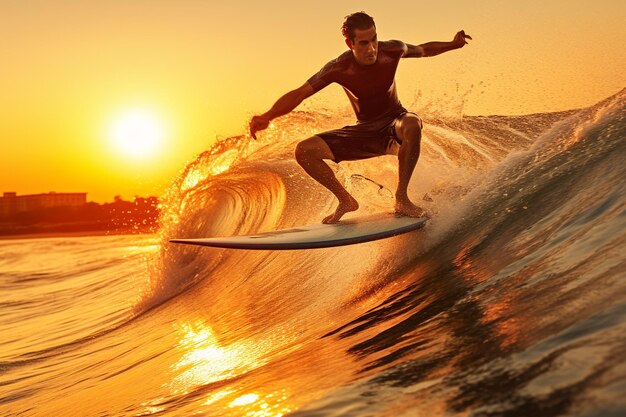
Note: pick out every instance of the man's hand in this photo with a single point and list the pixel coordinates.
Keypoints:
(459, 39)
(284, 105)
(258, 123)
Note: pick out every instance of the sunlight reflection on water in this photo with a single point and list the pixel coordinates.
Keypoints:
(206, 360)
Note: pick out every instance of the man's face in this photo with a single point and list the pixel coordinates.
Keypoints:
(365, 46)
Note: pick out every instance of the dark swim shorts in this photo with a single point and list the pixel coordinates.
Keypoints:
(365, 139)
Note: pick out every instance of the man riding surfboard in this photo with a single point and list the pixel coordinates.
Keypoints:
(384, 127)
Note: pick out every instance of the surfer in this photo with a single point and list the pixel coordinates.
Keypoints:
(367, 74)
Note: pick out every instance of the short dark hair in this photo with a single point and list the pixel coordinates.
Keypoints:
(358, 20)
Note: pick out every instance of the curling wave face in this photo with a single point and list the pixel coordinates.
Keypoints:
(519, 262)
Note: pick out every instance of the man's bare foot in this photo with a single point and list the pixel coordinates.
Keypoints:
(405, 207)
(343, 208)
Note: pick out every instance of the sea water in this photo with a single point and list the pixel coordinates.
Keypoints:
(511, 302)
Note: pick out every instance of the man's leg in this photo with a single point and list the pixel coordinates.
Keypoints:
(310, 154)
(409, 131)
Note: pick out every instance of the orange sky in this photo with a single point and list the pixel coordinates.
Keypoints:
(70, 68)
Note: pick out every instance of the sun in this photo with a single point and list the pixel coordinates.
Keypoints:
(137, 133)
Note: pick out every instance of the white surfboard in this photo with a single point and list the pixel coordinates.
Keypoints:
(346, 232)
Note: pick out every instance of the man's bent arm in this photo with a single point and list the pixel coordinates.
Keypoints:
(436, 48)
(283, 105)
(289, 101)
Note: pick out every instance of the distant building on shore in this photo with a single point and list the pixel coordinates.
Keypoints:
(11, 203)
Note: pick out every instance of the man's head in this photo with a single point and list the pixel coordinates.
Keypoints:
(359, 30)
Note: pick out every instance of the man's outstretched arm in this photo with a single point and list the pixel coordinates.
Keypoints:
(284, 105)
(436, 48)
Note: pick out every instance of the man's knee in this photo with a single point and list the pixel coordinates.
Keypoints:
(305, 150)
(410, 128)
(313, 148)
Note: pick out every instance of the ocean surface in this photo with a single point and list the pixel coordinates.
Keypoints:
(510, 302)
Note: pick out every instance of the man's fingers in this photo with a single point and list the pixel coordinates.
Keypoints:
(257, 123)
(253, 127)
(461, 36)
(465, 35)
